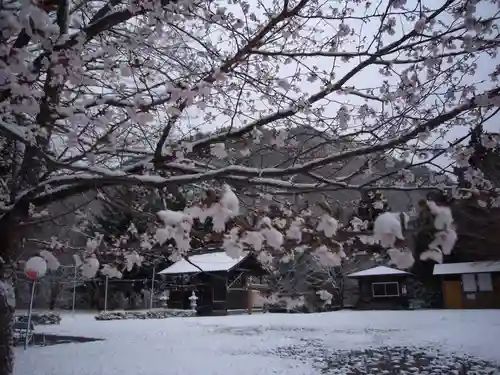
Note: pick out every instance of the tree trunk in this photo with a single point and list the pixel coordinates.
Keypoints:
(55, 291)
(6, 354)
(9, 239)
(342, 291)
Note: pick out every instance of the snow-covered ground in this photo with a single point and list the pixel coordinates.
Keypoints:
(259, 344)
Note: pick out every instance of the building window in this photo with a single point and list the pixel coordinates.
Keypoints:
(477, 282)
(469, 282)
(484, 282)
(388, 289)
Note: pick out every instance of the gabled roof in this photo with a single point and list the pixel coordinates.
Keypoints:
(466, 267)
(210, 262)
(379, 271)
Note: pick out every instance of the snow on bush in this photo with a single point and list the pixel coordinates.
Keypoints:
(142, 315)
(325, 296)
(41, 318)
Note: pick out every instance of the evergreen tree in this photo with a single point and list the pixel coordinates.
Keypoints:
(127, 206)
(371, 205)
(476, 217)
(477, 223)
(428, 287)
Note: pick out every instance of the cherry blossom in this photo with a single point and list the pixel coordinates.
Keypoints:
(90, 267)
(328, 225)
(52, 261)
(401, 258)
(110, 271)
(164, 96)
(387, 228)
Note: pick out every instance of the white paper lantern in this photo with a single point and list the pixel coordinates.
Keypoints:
(35, 268)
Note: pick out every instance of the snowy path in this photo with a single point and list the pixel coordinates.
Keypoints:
(247, 345)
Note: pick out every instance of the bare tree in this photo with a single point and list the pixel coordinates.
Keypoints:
(96, 94)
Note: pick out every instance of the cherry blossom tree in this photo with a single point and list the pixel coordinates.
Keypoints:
(104, 93)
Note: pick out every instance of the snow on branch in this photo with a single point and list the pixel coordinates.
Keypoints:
(445, 235)
(166, 104)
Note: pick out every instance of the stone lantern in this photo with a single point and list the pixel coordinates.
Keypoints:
(192, 299)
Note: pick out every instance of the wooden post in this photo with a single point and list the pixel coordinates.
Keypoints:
(249, 301)
(106, 293)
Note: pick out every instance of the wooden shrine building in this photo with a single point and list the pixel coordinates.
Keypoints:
(381, 288)
(221, 283)
(470, 285)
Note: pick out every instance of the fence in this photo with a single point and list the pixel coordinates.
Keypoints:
(66, 289)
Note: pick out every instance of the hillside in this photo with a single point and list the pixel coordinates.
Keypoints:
(302, 145)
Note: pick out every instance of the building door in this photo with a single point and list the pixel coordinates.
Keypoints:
(452, 291)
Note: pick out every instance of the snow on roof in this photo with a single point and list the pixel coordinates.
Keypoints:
(378, 271)
(210, 262)
(466, 267)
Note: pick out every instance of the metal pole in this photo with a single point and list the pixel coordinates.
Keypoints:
(74, 291)
(29, 315)
(152, 288)
(106, 294)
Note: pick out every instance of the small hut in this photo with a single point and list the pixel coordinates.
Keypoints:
(381, 287)
(221, 283)
(470, 285)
